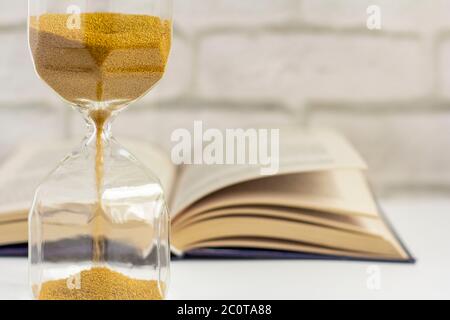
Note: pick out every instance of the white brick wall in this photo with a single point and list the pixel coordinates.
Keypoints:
(193, 15)
(157, 126)
(327, 66)
(19, 83)
(398, 15)
(13, 13)
(28, 124)
(401, 147)
(276, 61)
(177, 80)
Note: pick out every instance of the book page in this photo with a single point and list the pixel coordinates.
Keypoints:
(342, 191)
(300, 151)
(15, 232)
(359, 224)
(30, 164)
(275, 244)
(283, 230)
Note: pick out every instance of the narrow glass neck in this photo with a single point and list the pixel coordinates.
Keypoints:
(99, 123)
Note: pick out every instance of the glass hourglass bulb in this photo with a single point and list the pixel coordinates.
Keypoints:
(99, 227)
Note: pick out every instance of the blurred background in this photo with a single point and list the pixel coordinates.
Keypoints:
(277, 62)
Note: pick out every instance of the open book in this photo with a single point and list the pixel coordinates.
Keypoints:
(319, 203)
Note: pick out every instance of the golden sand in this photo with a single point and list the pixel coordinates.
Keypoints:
(101, 284)
(107, 57)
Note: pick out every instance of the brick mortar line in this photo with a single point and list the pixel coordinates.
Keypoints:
(394, 106)
(383, 108)
(438, 42)
(27, 106)
(442, 35)
(432, 46)
(187, 100)
(299, 116)
(178, 32)
(182, 102)
(67, 120)
(13, 27)
(192, 86)
(299, 27)
(423, 188)
(298, 7)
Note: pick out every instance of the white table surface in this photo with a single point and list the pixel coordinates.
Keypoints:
(423, 223)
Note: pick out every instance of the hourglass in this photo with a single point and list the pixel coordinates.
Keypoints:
(99, 227)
